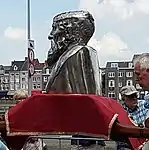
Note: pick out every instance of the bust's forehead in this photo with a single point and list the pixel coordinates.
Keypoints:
(62, 21)
(70, 15)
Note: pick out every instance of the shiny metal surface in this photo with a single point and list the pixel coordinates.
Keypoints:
(75, 67)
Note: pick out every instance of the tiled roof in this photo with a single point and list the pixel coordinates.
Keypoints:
(16, 65)
(38, 65)
(23, 65)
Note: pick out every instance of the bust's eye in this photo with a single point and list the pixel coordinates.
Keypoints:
(65, 23)
(61, 27)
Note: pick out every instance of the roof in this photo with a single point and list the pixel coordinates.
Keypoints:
(38, 65)
(7, 68)
(1, 67)
(121, 64)
(23, 65)
(135, 56)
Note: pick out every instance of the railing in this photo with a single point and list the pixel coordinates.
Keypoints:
(64, 142)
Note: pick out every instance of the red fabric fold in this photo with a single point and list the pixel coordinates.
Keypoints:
(67, 114)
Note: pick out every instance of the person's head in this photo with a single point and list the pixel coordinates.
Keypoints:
(129, 96)
(73, 27)
(141, 64)
(20, 95)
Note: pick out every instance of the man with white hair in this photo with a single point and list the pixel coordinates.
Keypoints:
(141, 64)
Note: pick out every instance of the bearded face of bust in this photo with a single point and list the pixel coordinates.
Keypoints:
(70, 28)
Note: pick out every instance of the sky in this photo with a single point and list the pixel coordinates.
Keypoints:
(122, 27)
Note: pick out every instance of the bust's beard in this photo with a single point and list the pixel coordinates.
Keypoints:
(56, 50)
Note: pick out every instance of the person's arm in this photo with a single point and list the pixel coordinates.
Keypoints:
(119, 130)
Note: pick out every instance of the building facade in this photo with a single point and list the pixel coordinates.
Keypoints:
(117, 75)
(114, 76)
(15, 77)
(4, 80)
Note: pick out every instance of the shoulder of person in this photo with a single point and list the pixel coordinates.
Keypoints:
(141, 101)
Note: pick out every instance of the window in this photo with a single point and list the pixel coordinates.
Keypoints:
(11, 86)
(38, 72)
(120, 74)
(17, 80)
(38, 86)
(2, 87)
(111, 74)
(12, 78)
(114, 65)
(6, 87)
(45, 79)
(129, 74)
(120, 84)
(23, 86)
(47, 71)
(17, 86)
(111, 83)
(15, 67)
(34, 79)
(38, 79)
(6, 80)
(129, 82)
(23, 79)
(130, 65)
(34, 86)
(23, 73)
(111, 94)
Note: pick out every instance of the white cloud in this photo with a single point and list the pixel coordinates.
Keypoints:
(110, 48)
(121, 8)
(121, 17)
(15, 33)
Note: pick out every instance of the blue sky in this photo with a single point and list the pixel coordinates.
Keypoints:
(122, 27)
(13, 17)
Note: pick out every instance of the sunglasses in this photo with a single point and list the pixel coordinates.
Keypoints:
(132, 96)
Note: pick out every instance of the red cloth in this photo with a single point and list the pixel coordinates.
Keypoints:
(34, 92)
(66, 113)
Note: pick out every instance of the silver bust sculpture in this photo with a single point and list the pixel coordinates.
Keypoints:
(75, 67)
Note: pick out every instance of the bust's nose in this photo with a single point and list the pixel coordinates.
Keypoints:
(50, 37)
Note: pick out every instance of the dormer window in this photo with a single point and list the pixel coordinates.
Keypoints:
(15, 67)
(130, 65)
(114, 65)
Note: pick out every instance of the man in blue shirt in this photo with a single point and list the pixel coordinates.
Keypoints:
(136, 110)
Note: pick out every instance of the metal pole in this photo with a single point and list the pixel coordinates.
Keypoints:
(117, 84)
(29, 36)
